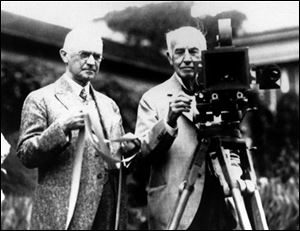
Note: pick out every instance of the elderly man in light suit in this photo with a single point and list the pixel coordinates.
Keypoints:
(169, 136)
(51, 119)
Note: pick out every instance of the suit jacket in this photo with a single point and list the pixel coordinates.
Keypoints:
(170, 157)
(44, 145)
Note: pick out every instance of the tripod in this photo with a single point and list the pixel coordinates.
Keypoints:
(230, 160)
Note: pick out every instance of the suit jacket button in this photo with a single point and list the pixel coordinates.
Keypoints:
(99, 175)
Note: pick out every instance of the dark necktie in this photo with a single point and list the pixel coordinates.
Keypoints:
(188, 92)
(83, 94)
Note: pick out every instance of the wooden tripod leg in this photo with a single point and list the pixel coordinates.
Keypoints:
(188, 183)
(232, 179)
(255, 210)
(241, 209)
(179, 209)
(229, 182)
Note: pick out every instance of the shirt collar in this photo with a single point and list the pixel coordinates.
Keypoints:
(179, 80)
(77, 88)
(183, 87)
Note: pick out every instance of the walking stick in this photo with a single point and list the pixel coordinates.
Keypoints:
(117, 221)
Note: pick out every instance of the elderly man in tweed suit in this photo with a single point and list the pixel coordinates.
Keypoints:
(165, 115)
(51, 118)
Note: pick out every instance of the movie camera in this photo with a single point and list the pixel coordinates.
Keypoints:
(226, 77)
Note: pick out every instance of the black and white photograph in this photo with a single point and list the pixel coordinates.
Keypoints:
(149, 115)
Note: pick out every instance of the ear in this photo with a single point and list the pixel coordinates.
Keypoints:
(169, 57)
(64, 56)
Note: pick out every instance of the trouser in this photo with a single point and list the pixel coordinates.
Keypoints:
(106, 213)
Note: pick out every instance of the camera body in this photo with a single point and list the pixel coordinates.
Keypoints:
(225, 78)
(226, 69)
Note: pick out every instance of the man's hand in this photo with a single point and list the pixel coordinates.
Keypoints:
(72, 121)
(131, 145)
(179, 104)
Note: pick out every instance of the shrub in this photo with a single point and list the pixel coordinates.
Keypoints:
(281, 203)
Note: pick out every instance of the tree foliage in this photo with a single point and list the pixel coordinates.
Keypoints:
(151, 22)
(283, 138)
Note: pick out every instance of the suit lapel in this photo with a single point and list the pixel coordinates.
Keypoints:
(64, 93)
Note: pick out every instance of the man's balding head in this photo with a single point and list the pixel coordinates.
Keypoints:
(83, 39)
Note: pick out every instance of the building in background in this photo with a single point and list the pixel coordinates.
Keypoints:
(279, 47)
(141, 68)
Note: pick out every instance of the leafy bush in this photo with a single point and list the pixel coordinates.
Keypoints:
(281, 203)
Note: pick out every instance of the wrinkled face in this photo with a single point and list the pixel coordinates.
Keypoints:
(185, 56)
(83, 56)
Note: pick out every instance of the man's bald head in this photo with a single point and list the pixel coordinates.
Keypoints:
(87, 38)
